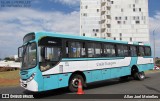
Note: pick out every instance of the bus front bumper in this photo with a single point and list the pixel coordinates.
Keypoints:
(31, 86)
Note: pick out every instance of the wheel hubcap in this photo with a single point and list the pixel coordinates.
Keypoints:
(75, 82)
(141, 75)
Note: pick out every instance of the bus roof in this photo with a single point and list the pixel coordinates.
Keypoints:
(70, 36)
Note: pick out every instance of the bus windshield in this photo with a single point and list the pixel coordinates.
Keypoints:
(29, 56)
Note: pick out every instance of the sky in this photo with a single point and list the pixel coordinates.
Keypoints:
(51, 15)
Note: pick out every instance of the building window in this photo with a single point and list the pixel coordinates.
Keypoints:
(137, 22)
(86, 7)
(116, 18)
(83, 34)
(93, 30)
(126, 18)
(140, 9)
(97, 30)
(134, 9)
(134, 18)
(124, 22)
(130, 39)
(120, 34)
(108, 34)
(120, 38)
(112, 2)
(121, 10)
(119, 22)
(95, 34)
(85, 14)
(119, 18)
(133, 5)
(114, 38)
(97, 10)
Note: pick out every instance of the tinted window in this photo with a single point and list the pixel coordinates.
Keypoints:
(147, 51)
(94, 50)
(76, 49)
(29, 37)
(125, 50)
(133, 51)
(97, 50)
(109, 50)
(141, 51)
(122, 50)
(90, 50)
(49, 56)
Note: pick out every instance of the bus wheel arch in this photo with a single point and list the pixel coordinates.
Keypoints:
(74, 78)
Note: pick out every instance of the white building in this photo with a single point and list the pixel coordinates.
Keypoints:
(115, 19)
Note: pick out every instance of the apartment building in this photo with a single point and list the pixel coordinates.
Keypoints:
(115, 19)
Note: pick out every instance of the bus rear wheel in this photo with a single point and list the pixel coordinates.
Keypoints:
(73, 83)
(139, 76)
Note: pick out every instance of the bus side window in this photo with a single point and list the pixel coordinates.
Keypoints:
(133, 51)
(98, 49)
(126, 52)
(109, 50)
(67, 50)
(83, 51)
(120, 50)
(147, 51)
(90, 49)
(76, 49)
(141, 51)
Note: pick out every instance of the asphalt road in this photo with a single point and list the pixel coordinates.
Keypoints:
(151, 85)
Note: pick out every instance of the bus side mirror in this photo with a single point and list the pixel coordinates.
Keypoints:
(20, 51)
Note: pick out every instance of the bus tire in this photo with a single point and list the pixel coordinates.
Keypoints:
(73, 82)
(139, 76)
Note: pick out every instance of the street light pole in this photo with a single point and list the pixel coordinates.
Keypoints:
(154, 47)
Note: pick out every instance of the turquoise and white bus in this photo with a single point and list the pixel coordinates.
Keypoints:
(53, 60)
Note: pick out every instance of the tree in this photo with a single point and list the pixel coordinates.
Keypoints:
(158, 62)
(9, 59)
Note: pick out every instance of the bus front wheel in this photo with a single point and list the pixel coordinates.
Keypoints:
(139, 76)
(73, 83)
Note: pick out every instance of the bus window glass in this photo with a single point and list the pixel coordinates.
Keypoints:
(76, 49)
(125, 48)
(147, 51)
(133, 51)
(109, 50)
(90, 50)
(97, 50)
(141, 51)
(120, 50)
(49, 56)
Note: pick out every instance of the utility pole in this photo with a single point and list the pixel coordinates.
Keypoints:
(154, 47)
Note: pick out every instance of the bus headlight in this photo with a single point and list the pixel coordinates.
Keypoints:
(31, 77)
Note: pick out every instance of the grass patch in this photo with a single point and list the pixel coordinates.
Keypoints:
(9, 78)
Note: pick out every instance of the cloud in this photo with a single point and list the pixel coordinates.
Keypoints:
(68, 2)
(15, 23)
